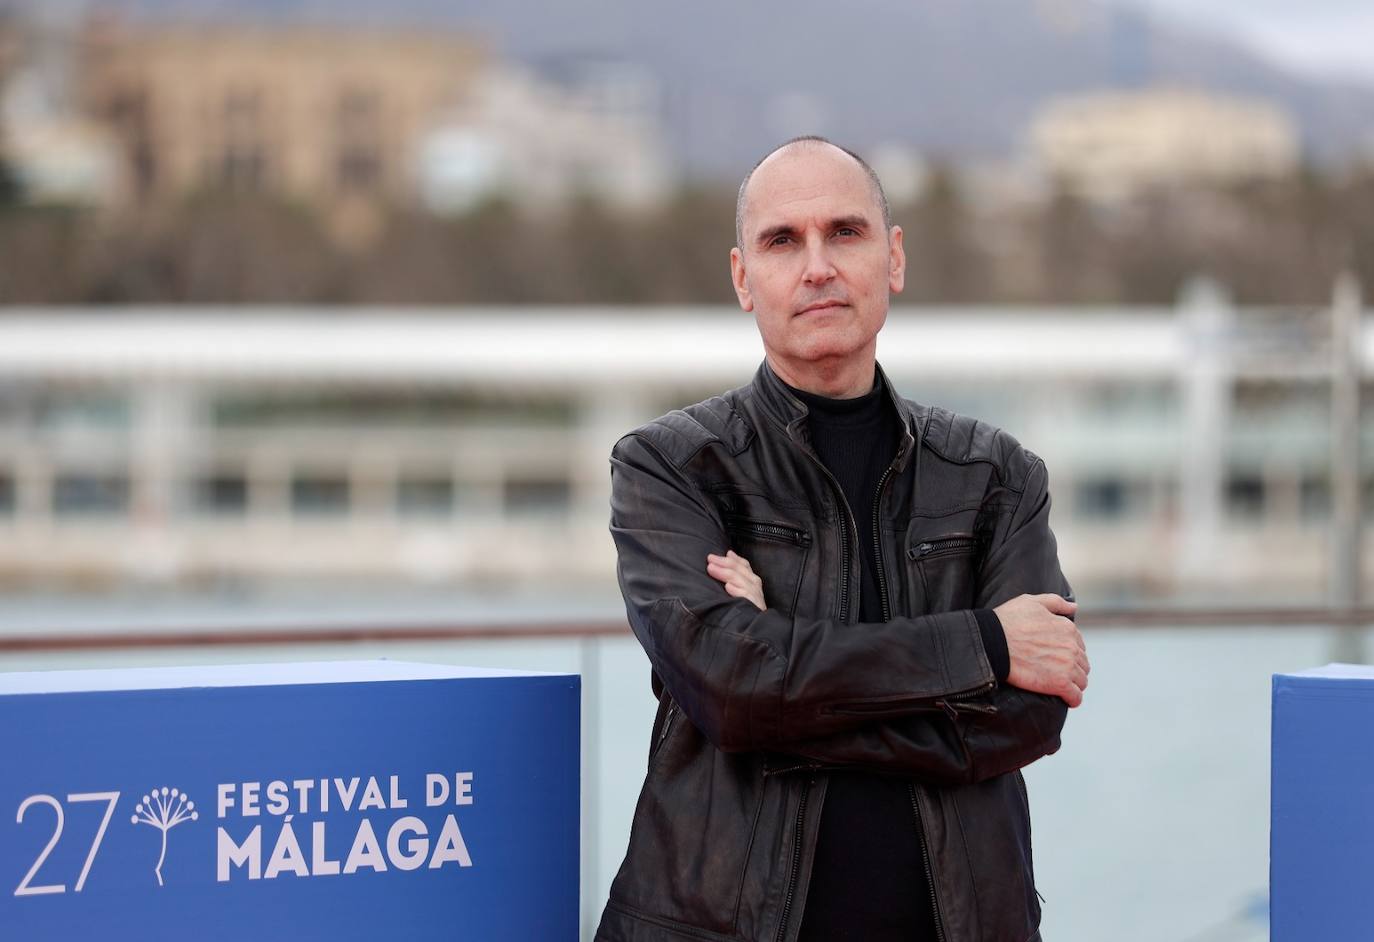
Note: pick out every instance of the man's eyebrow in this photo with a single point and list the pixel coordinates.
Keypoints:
(853, 220)
(772, 232)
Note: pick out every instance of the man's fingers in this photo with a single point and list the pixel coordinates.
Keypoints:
(731, 559)
(1072, 695)
(739, 559)
(1056, 603)
(739, 580)
(749, 592)
(725, 573)
(722, 564)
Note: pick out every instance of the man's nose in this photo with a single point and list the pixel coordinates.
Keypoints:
(819, 266)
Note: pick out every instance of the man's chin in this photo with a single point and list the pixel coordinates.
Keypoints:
(827, 348)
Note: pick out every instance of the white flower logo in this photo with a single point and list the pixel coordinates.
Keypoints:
(164, 810)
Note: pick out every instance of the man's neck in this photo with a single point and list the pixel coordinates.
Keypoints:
(840, 380)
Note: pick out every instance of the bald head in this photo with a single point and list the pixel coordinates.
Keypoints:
(808, 141)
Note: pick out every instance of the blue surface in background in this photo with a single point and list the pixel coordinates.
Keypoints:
(1321, 857)
(518, 736)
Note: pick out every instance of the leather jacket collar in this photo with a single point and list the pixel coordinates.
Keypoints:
(790, 413)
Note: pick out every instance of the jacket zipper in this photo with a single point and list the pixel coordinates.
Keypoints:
(878, 545)
(1021, 783)
(925, 859)
(844, 532)
(796, 858)
(771, 531)
(975, 692)
(667, 723)
(844, 537)
(844, 561)
(949, 544)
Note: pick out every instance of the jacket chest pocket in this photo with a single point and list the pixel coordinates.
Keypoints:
(943, 556)
(776, 551)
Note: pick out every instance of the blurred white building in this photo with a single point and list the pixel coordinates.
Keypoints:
(1110, 145)
(1189, 449)
(56, 154)
(540, 143)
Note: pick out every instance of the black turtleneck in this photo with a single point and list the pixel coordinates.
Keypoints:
(868, 881)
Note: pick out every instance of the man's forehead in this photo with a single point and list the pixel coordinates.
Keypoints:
(806, 171)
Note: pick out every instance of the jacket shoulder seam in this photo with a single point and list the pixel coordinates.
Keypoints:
(947, 430)
(678, 436)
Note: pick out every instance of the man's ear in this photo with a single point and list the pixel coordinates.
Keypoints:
(740, 280)
(896, 272)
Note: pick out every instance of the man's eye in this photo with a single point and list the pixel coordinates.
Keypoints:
(847, 230)
(779, 240)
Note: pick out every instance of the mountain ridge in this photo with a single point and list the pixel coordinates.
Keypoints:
(959, 80)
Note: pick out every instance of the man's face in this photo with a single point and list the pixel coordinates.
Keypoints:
(816, 265)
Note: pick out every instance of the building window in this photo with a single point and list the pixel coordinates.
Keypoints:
(222, 494)
(243, 165)
(1245, 495)
(324, 495)
(77, 414)
(358, 134)
(424, 496)
(1105, 498)
(242, 169)
(128, 113)
(1314, 496)
(6, 494)
(538, 495)
(85, 494)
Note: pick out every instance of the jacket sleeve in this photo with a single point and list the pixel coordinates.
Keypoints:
(755, 680)
(969, 739)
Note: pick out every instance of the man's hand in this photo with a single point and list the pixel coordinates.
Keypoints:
(1047, 651)
(734, 570)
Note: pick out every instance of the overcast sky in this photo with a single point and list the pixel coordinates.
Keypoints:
(1332, 38)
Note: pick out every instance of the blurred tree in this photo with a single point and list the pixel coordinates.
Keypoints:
(1074, 252)
(1277, 241)
(489, 255)
(600, 256)
(686, 246)
(1151, 255)
(218, 248)
(1358, 206)
(942, 258)
(40, 254)
(10, 193)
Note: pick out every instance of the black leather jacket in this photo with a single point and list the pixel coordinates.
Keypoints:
(756, 706)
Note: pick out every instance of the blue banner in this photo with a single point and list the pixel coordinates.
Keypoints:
(343, 800)
(1321, 834)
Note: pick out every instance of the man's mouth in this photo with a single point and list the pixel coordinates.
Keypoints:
(821, 306)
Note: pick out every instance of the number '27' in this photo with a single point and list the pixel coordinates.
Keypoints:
(24, 889)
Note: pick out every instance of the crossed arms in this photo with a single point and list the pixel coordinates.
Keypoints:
(914, 695)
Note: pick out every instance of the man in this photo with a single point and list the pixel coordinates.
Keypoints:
(854, 611)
